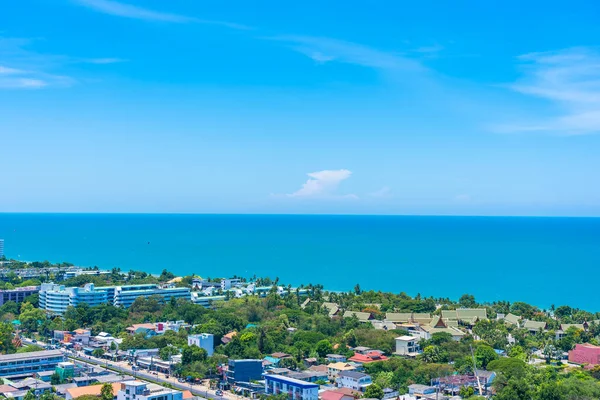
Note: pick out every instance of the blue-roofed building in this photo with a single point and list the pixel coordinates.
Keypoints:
(294, 388)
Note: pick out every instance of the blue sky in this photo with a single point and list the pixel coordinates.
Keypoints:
(417, 107)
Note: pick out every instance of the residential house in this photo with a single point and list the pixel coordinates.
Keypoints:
(420, 390)
(361, 349)
(334, 369)
(407, 346)
(535, 326)
(336, 395)
(333, 309)
(308, 376)
(560, 333)
(294, 388)
(336, 358)
(372, 356)
(228, 337)
(310, 361)
(280, 355)
(148, 329)
(436, 325)
(585, 354)
(465, 316)
(383, 325)
(362, 316)
(512, 319)
(353, 380)
(305, 303)
(92, 390)
(37, 386)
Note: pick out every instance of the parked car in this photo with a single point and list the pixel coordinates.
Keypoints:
(219, 392)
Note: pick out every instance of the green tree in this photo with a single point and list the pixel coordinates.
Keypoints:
(106, 393)
(30, 396)
(167, 352)
(484, 355)
(373, 391)
(98, 353)
(324, 347)
(467, 301)
(55, 379)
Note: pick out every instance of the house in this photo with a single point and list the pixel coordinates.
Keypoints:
(92, 390)
(535, 326)
(304, 304)
(465, 316)
(336, 358)
(420, 390)
(336, 395)
(39, 387)
(278, 371)
(512, 319)
(560, 333)
(281, 356)
(407, 346)
(318, 368)
(228, 337)
(362, 316)
(436, 325)
(399, 318)
(361, 349)
(421, 318)
(353, 380)
(147, 329)
(383, 325)
(333, 309)
(310, 361)
(585, 354)
(294, 388)
(334, 369)
(372, 356)
(308, 376)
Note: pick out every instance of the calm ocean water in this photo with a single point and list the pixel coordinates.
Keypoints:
(538, 260)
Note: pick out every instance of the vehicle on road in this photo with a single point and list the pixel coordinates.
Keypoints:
(219, 392)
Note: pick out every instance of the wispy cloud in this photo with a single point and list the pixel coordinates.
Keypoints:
(323, 184)
(322, 49)
(124, 10)
(569, 80)
(384, 192)
(104, 60)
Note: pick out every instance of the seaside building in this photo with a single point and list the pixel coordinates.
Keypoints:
(205, 341)
(407, 346)
(294, 388)
(56, 298)
(17, 295)
(1, 248)
(29, 363)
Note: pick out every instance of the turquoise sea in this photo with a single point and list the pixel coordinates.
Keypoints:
(543, 261)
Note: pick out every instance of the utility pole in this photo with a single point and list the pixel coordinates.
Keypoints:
(475, 371)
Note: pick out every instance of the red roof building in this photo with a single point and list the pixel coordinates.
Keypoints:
(585, 354)
(370, 357)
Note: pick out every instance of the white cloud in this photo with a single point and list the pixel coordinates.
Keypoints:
(119, 9)
(381, 193)
(569, 80)
(105, 60)
(322, 49)
(323, 184)
(10, 71)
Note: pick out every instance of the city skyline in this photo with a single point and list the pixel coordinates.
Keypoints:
(152, 107)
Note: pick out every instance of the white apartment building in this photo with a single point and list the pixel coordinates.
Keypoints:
(407, 346)
(353, 380)
(205, 341)
(136, 390)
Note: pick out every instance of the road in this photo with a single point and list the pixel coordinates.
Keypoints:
(147, 376)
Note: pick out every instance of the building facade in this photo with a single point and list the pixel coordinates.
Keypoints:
(353, 380)
(407, 346)
(205, 341)
(1, 248)
(17, 295)
(295, 389)
(56, 298)
(32, 362)
(244, 371)
(136, 390)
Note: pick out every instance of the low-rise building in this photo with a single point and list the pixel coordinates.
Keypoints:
(17, 295)
(92, 390)
(244, 371)
(205, 341)
(407, 346)
(353, 380)
(294, 388)
(29, 363)
(136, 390)
(336, 358)
(370, 357)
(421, 390)
(334, 369)
(585, 354)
